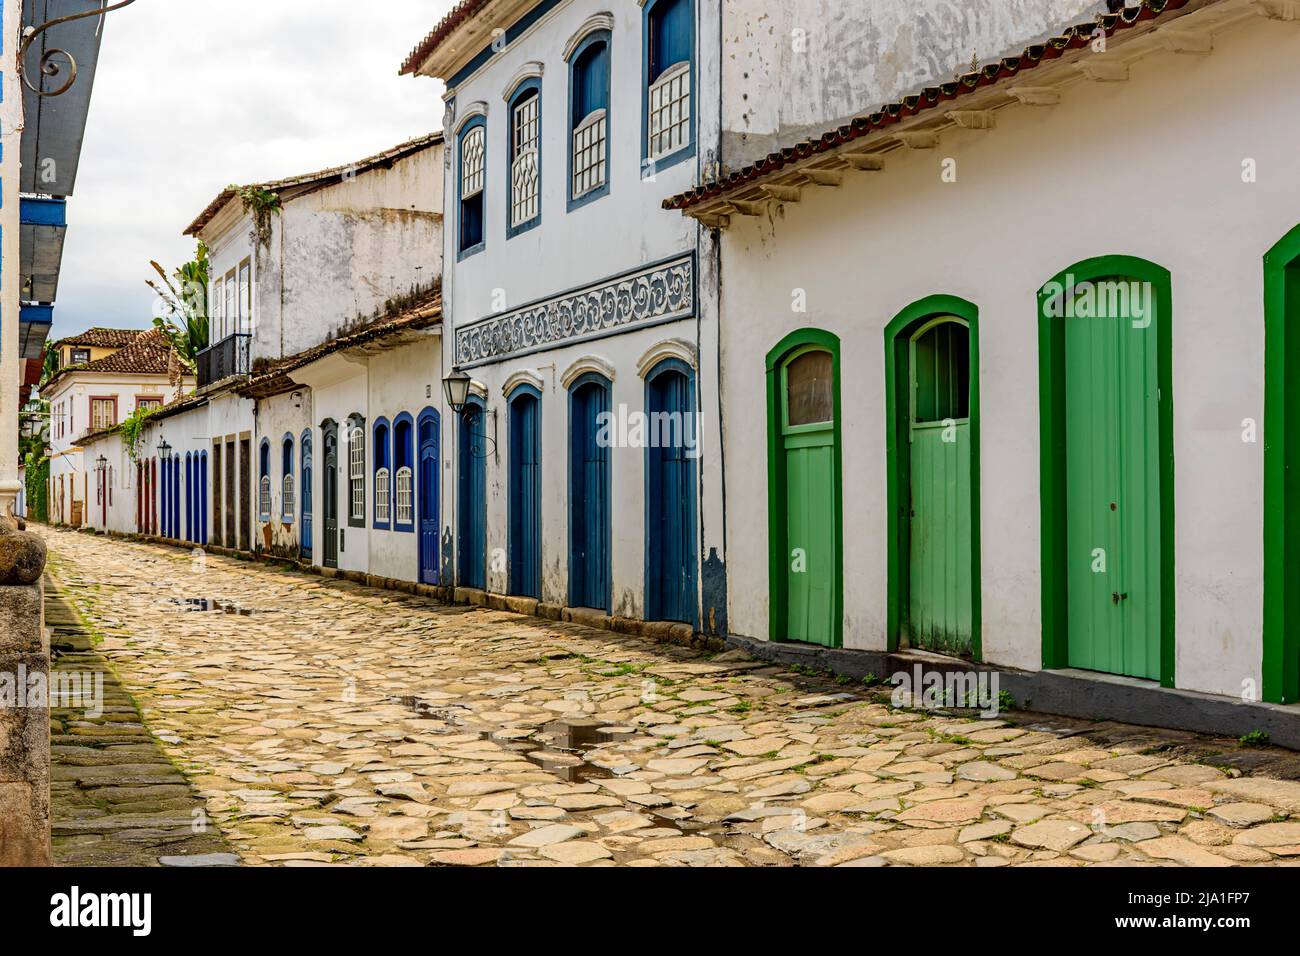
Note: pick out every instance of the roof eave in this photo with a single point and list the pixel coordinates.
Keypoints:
(916, 121)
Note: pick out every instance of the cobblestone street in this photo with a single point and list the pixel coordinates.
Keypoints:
(326, 723)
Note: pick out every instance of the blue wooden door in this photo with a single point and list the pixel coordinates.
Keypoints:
(189, 497)
(589, 527)
(305, 468)
(525, 493)
(472, 517)
(670, 494)
(427, 433)
(176, 496)
(203, 498)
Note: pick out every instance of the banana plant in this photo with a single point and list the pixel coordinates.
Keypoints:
(184, 296)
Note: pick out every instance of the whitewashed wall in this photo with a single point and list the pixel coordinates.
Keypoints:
(289, 413)
(1136, 168)
(605, 237)
(406, 379)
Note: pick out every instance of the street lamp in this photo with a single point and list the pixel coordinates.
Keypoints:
(456, 386)
(164, 449)
(101, 464)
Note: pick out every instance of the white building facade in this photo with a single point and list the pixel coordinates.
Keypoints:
(977, 341)
(583, 467)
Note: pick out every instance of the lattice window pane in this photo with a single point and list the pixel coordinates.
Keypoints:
(381, 495)
(287, 500)
(670, 110)
(589, 154)
(405, 500)
(264, 496)
(471, 163)
(523, 168)
(103, 413)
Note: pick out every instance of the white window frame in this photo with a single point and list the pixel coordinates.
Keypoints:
(525, 187)
(287, 502)
(232, 305)
(264, 497)
(357, 473)
(381, 496)
(666, 133)
(590, 139)
(405, 499)
(473, 167)
(245, 296)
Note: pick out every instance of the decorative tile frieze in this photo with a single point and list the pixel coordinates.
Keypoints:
(652, 294)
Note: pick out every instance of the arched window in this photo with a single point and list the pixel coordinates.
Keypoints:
(357, 471)
(383, 496)
(589, 118)
(287, 500)
(525, 157)
(669, 45)
(264, 480)
(403, 476)
(471, 182)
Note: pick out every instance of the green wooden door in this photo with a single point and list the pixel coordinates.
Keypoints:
(808, 440)
(1112, 494)
(939, 571)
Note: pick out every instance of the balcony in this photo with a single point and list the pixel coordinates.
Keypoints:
(228, 357)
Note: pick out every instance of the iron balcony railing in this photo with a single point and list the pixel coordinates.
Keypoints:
(228, 357)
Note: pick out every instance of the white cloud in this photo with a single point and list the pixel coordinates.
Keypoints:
(191, 96)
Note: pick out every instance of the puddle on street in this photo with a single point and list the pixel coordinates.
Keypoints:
(212, 604)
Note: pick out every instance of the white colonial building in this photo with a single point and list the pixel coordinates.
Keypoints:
(105, 375)
(1006, 368)
(584, 459)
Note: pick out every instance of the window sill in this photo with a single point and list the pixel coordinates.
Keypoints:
(667, 161)
(471, 251)
(512, 231)
(404, 528)
(588, 197)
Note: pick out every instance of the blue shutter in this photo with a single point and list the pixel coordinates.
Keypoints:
(670, 35)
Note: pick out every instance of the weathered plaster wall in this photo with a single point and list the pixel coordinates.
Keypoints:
(800, 67)
(865, 251)
(340, 255)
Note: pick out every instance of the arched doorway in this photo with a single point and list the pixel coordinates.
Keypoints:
(472, 511)
(1107, 476)
(670, 493)
(932, 446)
(589, 524)
(428, 431)
(306, 471)
(805, 537)
(330, 492)
(525, 503)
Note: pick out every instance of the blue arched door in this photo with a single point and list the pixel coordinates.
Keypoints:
(525, 492)
(305, 470)
(202, 503)
(189, 497)
(176, 496)
(670, 493)
(589, 527)
(427, 432)
(472, 512)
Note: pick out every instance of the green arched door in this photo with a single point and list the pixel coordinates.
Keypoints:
(940, 575)
(807, 443)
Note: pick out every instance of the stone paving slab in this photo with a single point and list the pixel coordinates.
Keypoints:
(117, 799)
(325, 723)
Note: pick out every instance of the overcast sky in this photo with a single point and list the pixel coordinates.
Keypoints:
(192, 95)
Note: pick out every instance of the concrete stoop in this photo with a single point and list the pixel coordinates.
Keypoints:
(665, 632)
